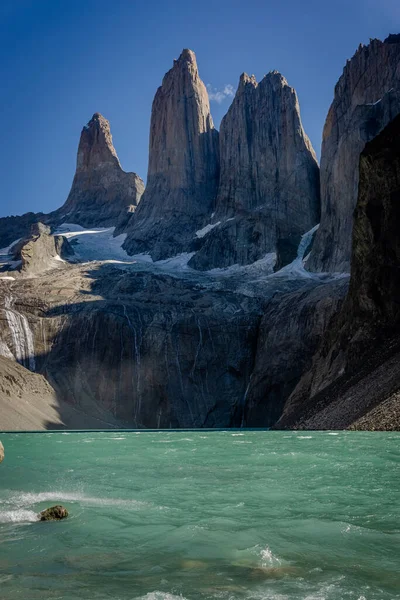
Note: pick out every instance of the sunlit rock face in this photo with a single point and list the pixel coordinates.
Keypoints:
(183, 165)
(367, 98)
(101, 191)
(268, 193)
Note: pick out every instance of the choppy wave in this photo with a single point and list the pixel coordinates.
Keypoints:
(156, 595)
(268, 559)
(18, 516)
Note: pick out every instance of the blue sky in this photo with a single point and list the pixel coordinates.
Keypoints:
(63, 60)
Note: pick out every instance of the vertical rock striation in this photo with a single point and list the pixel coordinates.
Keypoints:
(269, 183)
(183, 165)
(101, 191)
(357, 365)
(367, 98)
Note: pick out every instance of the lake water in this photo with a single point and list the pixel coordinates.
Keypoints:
(198, 515)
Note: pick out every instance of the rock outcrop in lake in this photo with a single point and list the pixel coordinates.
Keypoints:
(183, 166)
(54, 513)
(268, 194)
(367, 98)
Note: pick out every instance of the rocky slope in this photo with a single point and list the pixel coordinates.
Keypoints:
(102, 194)
(151, 345)
(356, 368)
(183, 166)
(27, 401)
(39, 251)
(367, 98)
(268, 194)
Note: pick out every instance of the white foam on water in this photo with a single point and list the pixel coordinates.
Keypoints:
(156, 595)
(26, 499)
(18, 516)
(268, 558)
(304, 437)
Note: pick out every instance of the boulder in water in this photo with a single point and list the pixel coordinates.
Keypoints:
(54, 513)
(1, 452)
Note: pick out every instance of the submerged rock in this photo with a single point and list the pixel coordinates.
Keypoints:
(1, 452)
(54, 513)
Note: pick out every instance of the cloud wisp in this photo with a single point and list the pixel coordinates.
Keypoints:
(219, 96)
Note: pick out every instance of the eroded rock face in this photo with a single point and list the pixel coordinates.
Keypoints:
(268, 194)
(367, 98)
(101, 191)
(356, 366)
(290, 332)
(38, 252)
(147, 349)
(183, 165)
(17, 227)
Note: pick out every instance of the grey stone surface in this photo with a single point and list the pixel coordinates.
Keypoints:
(268, 193)
(367, 97)
(101, 191)
(356, 366)
(183, 166)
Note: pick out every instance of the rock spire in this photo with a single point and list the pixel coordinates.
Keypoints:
(183, 165)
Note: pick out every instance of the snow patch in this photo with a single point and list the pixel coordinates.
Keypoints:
(263, 266)
(94, 244)
(296, 267)
(202, 232)
(4, 252)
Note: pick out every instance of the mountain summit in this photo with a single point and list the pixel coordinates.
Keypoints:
(101, 191)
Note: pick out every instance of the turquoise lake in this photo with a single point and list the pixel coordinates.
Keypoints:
(197, 515)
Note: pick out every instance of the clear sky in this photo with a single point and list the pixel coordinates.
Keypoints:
(63, 60)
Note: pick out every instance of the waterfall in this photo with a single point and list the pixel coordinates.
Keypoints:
(22, 337)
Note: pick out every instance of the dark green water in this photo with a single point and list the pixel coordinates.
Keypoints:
(197, 515)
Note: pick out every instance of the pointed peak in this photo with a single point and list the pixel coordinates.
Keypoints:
(393, 38)
(96, 147)
(275, 77)
(247, 79)
(97, 120)
(187, 56)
